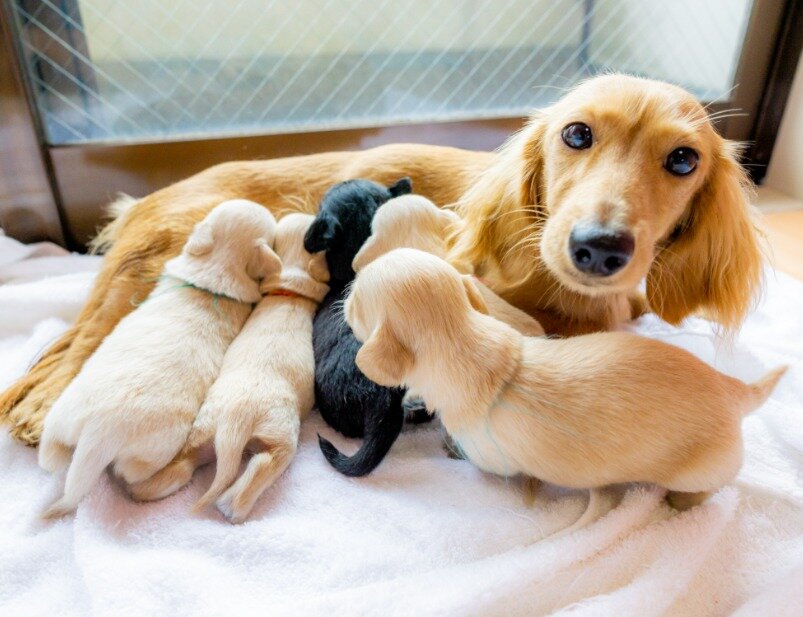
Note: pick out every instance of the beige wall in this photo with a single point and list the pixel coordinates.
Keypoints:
(219, 29)
(786, 166)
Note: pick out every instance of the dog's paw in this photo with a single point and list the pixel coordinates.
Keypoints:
(163, 483)
(228, 507)
(415, 411)
(452, 449)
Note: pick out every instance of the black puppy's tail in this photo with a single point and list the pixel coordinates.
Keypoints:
(380, 434)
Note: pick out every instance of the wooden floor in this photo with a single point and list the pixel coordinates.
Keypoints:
(783, 222)
(785, 234)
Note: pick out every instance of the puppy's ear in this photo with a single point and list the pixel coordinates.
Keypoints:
(317, 267)
(474, 297)
(401, 187)
(264, 263)
(366, 254)
(714, 262)
(384, 359)
(321, 233)
(201, 240)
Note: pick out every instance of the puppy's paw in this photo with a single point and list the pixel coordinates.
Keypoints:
(228, 507)
(451, 448)
(163, 483)
(415, 411)
(685, 501)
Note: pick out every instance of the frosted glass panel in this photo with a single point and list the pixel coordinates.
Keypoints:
(117, 70)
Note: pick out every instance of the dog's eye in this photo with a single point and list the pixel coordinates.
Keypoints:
(681, 161)
(577, 136)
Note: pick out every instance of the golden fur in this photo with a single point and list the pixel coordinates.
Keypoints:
(580, 412)
(696, 244)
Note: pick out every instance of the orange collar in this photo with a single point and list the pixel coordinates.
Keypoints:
(284, 292)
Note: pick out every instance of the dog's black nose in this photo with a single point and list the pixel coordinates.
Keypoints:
(600, 252)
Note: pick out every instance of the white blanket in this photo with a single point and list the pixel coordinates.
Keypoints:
(424, 534)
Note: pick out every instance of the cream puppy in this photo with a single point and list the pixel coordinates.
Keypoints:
(134, 401)
(580, 412)
(413, 221)
(264, 390)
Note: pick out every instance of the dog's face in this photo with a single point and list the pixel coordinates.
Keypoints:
(237, 236)
(410, 221)
(622, 162)
(622, 179)
(344, 219)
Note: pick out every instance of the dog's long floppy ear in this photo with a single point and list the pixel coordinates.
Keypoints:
(264, 263)
(498, 212)
(384, 359)
(713, 264)
(474, 297)
(201, 240)
(401, 187)
(321, 233)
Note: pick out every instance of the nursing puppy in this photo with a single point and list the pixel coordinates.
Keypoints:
(264, 391)
(413, 221)
(349, 402)
(135, 399)
(582, 412)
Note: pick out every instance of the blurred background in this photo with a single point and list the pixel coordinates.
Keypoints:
(101, 96)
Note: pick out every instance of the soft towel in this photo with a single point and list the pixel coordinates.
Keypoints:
(424, 534)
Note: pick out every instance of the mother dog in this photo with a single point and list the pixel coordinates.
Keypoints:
(622, 179)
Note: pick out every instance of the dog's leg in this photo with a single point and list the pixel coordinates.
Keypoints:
(684, 501)
(261, 472)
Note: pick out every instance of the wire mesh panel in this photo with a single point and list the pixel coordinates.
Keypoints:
(116, 70)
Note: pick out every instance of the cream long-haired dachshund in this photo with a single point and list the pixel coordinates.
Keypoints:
(135, 400)
(580, 412)
(264, 391)
(413, 221)
(622, 179)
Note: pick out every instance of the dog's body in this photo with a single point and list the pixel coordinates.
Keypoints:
(690, 235)
(581, 412)
(413, 221)
(347, 401)
(264, 391)
(134, 401)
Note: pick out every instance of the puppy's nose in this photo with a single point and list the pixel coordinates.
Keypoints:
(599, 251)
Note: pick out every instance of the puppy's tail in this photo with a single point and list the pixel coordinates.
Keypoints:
(89, 461)
(380, 434)
(230, 441)
(762, 388)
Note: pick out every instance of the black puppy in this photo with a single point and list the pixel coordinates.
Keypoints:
(348, 401)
